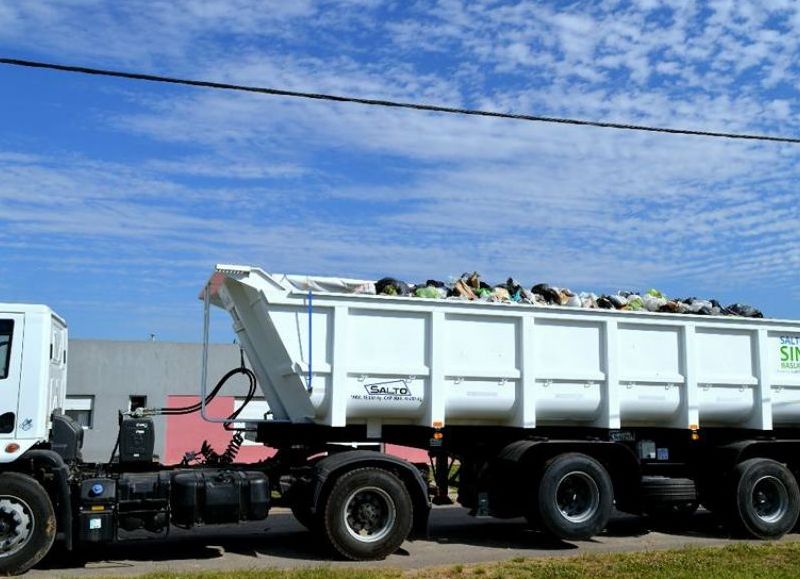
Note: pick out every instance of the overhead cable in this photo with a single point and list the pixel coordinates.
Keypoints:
(392, 104)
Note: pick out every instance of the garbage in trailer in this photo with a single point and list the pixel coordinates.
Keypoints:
(471, 287)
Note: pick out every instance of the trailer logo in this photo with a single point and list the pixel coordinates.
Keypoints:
(397, 388)
(388, 391)
(790, 354)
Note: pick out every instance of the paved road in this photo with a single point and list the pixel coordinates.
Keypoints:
(282, 542)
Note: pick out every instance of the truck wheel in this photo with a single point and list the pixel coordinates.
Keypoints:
(766, 498)
(575, 497)
(368, 514)
(27, 523)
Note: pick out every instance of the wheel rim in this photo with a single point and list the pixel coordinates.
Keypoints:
(16, 525)
(369, 514)
(770, 499)
(577, 497)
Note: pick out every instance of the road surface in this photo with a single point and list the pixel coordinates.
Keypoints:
(282, 542)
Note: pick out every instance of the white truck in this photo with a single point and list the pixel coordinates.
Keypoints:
(555, 414)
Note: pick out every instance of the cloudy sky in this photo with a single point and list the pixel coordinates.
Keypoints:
(117, 197)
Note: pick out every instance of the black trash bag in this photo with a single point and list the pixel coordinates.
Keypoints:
(550, 294)
(392, 287)
(604, 303)
(745, 311)
(435, 283)
(718, 309)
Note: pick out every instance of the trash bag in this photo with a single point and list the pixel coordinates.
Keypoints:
(550, 294)
(744, 311)
(515, 290)
(484, 293)
(654, 293)
(653, 303)
(605, 303)
(392, 287)
(571, 300)
(501, 294)
(671, 307)
(618, 301)
(635, 303)
(427, 292)
(699, 307)
(718, 309)
(588, 300)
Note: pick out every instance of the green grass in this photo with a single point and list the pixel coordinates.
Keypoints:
(776, 560)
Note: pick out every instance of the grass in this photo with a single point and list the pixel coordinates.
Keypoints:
(771, 560)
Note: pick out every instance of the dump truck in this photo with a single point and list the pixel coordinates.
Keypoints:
(555, 414)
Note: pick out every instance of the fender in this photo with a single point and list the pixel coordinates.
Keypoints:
(63, 506)
(326, 471)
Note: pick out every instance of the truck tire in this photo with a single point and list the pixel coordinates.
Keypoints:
(368, 514)
(575, 497)
(669, 499)
(765, 498)
(27, 523)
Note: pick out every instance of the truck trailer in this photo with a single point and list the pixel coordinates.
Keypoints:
(555, 414)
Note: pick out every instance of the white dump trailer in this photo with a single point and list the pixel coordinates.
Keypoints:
(554, 414)
(327, 354)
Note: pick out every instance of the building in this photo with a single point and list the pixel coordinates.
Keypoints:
(107, 377)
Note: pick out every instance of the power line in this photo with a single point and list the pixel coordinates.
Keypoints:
(388, 103)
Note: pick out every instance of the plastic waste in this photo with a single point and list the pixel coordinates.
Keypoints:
(653, 303)
(635, 303)
(501, 294)
(605, 303)
(550, 294)
(745, 311)
(470, 286)
(392, 287)
(572, 300)
(588, 300)
(618, 301)
(427, 292)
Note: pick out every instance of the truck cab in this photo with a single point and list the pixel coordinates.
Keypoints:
(33, 376)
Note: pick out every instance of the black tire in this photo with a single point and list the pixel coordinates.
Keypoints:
(669, 499)
(575, 497)
(27, 523)
(367, 515)
(763, 499)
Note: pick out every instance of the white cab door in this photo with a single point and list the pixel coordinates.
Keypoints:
(12, 328)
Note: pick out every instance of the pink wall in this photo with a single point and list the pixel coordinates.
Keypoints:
(185, 433)
(188, 432)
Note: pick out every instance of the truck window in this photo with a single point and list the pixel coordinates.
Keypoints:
(6, 333)
(81, 410)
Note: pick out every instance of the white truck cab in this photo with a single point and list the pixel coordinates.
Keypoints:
(33, 375)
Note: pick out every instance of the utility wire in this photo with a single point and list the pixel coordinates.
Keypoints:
(388, 103)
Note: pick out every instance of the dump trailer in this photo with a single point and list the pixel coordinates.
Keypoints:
(554, 414)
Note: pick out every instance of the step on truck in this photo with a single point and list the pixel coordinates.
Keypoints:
(554, 414)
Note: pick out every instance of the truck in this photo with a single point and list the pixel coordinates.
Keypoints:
(554, 414)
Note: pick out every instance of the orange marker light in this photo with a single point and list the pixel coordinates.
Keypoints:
(12, 448)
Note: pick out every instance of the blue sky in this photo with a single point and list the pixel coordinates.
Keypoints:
(116, 197)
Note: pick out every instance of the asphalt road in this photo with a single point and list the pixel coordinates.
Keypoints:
(282, 542)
